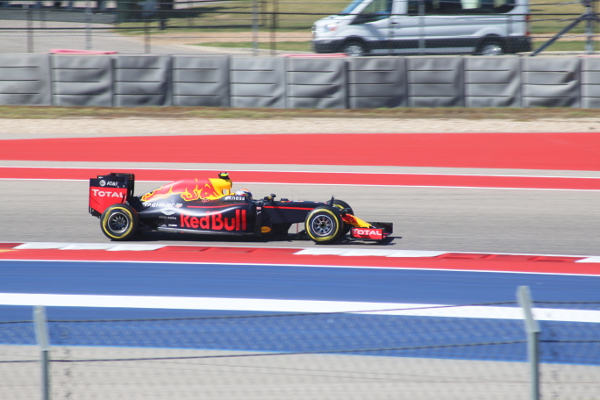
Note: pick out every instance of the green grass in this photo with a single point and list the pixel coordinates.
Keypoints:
(400, 113)
(560, 45)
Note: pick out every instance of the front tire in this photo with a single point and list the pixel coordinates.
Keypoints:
(354, 49)
(343, 205)
(119, 222)
(324, 224)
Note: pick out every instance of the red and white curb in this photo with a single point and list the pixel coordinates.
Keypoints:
(312, 251)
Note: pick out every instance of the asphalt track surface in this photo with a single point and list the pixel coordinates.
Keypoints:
(508, 193)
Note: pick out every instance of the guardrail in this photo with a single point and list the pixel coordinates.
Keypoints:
(369, 82)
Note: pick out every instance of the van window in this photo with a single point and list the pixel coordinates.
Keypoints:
(376, 11)
(445, 7)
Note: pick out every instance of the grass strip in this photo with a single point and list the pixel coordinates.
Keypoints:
(518, 114)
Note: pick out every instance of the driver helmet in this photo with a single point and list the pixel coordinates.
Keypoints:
(244, 192)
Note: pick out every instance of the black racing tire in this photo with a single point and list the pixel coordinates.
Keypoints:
(343, 205)
(491, 47)
(354, 48)
(119, 222)
(324, 224)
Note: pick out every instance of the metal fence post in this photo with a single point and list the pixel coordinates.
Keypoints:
(533, 331)
(41, 333)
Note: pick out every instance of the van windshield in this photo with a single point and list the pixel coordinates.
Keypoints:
(351, 7)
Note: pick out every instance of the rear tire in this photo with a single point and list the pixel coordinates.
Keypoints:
(324, 224)
(119, 222)
(491, 47)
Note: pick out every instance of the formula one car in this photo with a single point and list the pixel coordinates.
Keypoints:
(210, 207)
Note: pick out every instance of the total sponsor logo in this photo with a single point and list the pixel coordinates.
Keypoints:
(369, 233)
(106, 193)
(215, 221)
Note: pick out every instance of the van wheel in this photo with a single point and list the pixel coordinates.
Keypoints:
(491, 48)
(354, 49)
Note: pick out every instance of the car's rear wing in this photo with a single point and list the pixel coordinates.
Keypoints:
(106, 190)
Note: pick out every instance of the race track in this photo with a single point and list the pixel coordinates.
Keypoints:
(216, 298)
(451, 219)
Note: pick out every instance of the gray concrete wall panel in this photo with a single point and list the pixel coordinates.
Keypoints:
(201, 81)
(590, 83)
(500, 76)
(490, 102)
(492, 90)
(25, 79)
(255, 77)
(82, 80)
(142, 81)
(435, 81)
(377, 82)
(317, 83)
(551, 82)
(492, 82)
(590, 102)
(257, 82)
(251, 90)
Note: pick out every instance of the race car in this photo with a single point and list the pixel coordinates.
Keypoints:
(210, 207)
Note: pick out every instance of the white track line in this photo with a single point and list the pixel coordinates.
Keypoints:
(294, 306)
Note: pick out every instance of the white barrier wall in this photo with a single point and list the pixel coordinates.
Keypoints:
(370, 82)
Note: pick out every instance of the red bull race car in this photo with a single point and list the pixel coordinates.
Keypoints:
(210, 207)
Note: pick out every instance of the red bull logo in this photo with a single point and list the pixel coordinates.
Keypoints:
(215, 221)
(188, 189)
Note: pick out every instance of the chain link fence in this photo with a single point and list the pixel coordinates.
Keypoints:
(307, 356)
(277, 27)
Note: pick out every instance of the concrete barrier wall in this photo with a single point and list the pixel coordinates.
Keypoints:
(201, 81)
(377, 82)
(317, 83)
(82, 81)
(492, 82)
(142, 81)
(551, 82)
(436, 82)
(25, 79)
(590, 83)
(369, 82)
(257, 82)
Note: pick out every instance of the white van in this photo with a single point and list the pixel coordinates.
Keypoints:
(380, 27)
